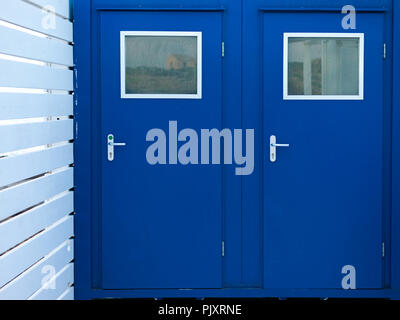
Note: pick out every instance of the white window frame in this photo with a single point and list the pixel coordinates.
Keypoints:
(288, 35)
(125, 95)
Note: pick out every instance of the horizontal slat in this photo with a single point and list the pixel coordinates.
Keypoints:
(17, 168)
(61, 7)
(21, 136)
(30, 281)
(67, 294)
(64, 279)
(25, 75)
(23, 226)
(22, 196)
(31, 17)
(25, 255)
(22, 105)
(21, 44)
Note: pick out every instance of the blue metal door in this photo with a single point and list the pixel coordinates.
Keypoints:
(160, 225)
(323, 171)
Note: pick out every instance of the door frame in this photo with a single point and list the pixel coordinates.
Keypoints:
(281, 26)
(244, 194)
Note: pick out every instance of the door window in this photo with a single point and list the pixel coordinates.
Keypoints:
(323, 66)
(160, 64)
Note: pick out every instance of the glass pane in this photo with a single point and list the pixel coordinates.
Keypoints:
(323, 66)
(161, 64)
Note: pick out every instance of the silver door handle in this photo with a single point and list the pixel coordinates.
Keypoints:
(118, 144)
(272, 147)
(280, 145)
(110, 146)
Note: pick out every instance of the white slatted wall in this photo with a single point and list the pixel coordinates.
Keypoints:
(36, 150)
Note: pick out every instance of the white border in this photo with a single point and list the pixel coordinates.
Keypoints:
(286, 37)
(125, 95)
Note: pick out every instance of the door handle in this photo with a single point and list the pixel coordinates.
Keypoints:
(110, 146)
(272, 147)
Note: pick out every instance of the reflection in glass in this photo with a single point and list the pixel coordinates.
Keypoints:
(161, 64)
(323, 66)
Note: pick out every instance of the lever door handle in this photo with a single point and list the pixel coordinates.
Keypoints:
(110, 146)
(272, 147)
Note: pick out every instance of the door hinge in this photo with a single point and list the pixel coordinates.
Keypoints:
(223, 49)
(383, 249)
(384, 51)
(223, 248)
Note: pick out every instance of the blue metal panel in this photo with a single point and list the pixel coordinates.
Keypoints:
(61, 7)
(64, 278)
(82, 116)
(252, 118)
(323, 195)
(387, 142)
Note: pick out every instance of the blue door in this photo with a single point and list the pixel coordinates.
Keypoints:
(160, 225)
(323, 161)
